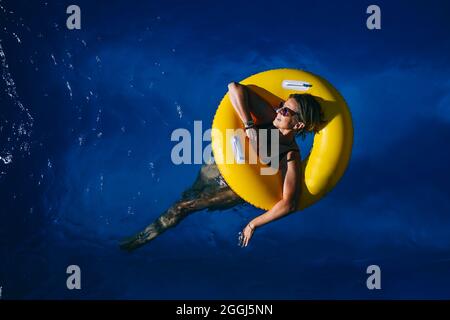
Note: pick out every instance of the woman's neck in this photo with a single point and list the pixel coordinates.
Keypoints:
(286, 136)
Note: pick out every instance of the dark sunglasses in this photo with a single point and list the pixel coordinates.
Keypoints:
(285, 111)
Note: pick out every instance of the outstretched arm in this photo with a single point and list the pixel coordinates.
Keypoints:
(287, 205)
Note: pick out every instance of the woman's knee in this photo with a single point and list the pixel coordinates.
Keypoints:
(235, 86)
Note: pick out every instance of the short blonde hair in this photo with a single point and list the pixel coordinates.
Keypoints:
(309, 112)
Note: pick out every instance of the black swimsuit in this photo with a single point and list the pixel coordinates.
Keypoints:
(214, 179)
(283, 147)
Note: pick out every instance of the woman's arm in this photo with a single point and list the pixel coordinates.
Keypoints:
(288, 204)
(239, 100)
(248, 103)
(291, 188)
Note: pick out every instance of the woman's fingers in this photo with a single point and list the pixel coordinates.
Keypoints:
(241, 239)
(251, 134)
(245, 236)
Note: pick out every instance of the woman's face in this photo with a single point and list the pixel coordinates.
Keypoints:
(290, 120)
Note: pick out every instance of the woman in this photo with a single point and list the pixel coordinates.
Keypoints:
(299, 114)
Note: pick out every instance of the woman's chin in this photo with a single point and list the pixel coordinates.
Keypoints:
(276, 123)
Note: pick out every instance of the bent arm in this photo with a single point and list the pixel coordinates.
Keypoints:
(239, 101)
(291, 189)
(249, 104)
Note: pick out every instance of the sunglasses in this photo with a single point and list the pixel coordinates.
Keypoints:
(285, 111)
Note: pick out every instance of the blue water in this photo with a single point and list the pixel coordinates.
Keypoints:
(86, 119)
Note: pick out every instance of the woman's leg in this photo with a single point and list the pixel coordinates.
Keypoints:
(206, 193)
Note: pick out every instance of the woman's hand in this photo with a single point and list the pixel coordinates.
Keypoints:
(246, 235)
(252, 135)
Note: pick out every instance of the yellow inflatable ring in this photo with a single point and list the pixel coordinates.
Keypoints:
(324, 165)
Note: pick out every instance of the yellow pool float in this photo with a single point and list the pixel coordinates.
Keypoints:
(320, 170)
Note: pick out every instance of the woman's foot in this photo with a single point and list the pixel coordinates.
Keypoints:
(141, 238)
